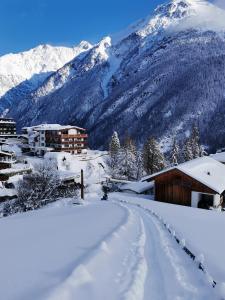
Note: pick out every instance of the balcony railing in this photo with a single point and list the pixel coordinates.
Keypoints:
(7, 160)
(73, 136)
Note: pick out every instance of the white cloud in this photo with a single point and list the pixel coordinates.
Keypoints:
(204, 16)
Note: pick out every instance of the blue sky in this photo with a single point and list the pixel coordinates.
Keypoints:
(27, 23)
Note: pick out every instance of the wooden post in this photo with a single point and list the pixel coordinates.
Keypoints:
(82, 184)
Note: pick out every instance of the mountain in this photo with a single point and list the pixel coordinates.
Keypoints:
(158, 77)
(27, 70)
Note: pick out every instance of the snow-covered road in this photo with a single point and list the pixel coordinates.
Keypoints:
(105, 250)
(136, 261)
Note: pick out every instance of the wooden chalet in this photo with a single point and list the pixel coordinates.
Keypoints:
(198, 183)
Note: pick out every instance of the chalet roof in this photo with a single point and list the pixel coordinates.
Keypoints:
(52, 127)
(206, 170)
(137, 187)
(220, 156)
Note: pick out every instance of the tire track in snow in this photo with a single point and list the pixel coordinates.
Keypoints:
(171, 274)
(136, 268)
(101, 266)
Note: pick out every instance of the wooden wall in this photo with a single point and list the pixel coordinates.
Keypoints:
(176, 187)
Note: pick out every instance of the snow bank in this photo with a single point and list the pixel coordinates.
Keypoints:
(201, 230)
(41, 249)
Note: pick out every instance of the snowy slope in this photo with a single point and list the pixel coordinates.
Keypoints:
(169, 66)
(42, 60)
(23, 72)
(198, 228)
(69, 255)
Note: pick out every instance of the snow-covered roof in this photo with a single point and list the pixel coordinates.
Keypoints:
(6, 153)
(52, 127)
(220, 156)
(137, 187)
(15, 170)
(7, 192)
(206, 170)
(65, 175)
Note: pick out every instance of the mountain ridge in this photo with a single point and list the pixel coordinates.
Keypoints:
(132, 81)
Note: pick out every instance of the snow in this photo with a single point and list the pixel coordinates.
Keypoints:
(204, 16)
(108, 249)
(205, 169)
(137, 187)
(7, 192)
(16, 68)
(220, 156)
(93, 165)
(16, 168)
(101, 250)
(51, 127)
(60, 241)
(114, 63)
(176, 16)
(201, 230)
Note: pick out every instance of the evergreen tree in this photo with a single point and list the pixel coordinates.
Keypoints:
(6, 210)
(195, 141)
(187, 151)
(175, 153)
(202, 151)
(153, 159)
(114, 154)
(192, 147)
(128, 162)
(139, 165)
(114, 145)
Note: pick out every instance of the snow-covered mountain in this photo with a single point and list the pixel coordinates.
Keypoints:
(29, 69)
(157, 77)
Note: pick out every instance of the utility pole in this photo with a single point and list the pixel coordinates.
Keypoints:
(82, 184)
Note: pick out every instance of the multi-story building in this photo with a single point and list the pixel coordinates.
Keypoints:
(54, 137)
(7, 128)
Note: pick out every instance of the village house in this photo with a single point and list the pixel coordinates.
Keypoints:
(6, 159)
(7, 128)
(9, 169)
(197, 183)
(54, 137)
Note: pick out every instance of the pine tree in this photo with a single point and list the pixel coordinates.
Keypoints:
(195, 141)
(188, 151)
(6, 209)
(128, 163)
(175, 153)
(139, 165)
(153, 159)
(202, 151)
(114, 145)
(114, 154)
(192, 147)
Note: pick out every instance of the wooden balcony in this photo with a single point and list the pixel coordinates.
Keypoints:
(7, 160)
(74, 136)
